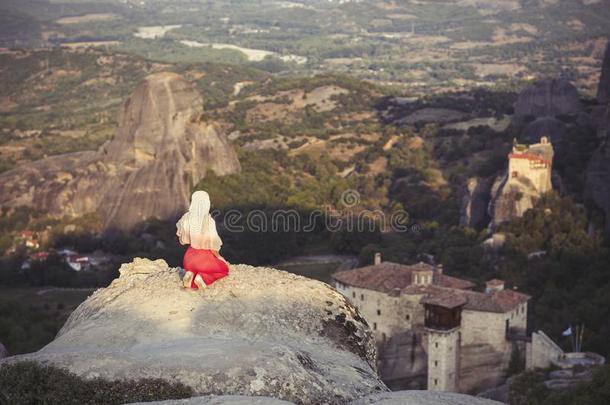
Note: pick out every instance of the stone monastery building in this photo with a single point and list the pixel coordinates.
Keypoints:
(532, 162)
(433, 330)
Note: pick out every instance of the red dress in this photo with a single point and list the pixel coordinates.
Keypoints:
(205, 263)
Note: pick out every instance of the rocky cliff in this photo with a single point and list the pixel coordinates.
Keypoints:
(258, 332)
(603, 91)
(475, 201)
(386, 398)
(597, 185)
(550, 127)
(162, 147)
(548, 98)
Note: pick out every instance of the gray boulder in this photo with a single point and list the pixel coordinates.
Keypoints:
(550, 97)
(221, 400)
(389, 398)
(258, 332)
(162, 147)
(422, 398)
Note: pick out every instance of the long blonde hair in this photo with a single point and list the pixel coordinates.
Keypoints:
(197, 227)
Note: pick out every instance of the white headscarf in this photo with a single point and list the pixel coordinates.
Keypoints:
(197, 227)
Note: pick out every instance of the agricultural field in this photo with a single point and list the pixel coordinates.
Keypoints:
(422, 46)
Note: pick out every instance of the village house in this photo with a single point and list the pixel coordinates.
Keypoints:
(30, 239)
(433, 330)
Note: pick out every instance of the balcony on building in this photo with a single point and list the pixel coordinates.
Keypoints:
(443, 312)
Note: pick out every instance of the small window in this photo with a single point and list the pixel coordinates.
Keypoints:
(383, 336)
(408, 317)
(435, 363)
(354, 294)
(379, 312)
(436, 345)
(436, 381)
(361, 297)
(375, 325)
(515, 174)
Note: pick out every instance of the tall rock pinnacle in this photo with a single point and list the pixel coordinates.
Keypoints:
(162, 148)
(603, 91)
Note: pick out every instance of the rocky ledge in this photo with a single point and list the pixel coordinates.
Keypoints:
(258, 332)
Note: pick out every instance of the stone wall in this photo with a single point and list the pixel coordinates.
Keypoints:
(490, 328)
(541, 351)
(443, 360)
(386, 314)
(403, 362)
(540, 177)
(481, 367)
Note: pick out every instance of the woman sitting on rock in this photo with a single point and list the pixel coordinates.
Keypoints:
(202, 260)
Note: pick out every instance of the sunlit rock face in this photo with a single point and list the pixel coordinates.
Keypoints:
(257, 332)
(162, 147)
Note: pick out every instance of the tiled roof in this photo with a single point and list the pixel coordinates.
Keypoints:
(496, 301)
(447, 299)
(446, 291)
(388, 277)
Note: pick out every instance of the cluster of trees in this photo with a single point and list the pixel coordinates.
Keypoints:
(571, 280)
(26, 328)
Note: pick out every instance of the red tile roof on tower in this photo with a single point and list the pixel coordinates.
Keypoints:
(529, 156)
(387, 277)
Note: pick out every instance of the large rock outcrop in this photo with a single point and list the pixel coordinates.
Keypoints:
(603, 91)
(161, 149)
(549, 127)
(387, 398)
(597, 184)
(548, 98)
(258, 332)
(475, 202)
(422, 398)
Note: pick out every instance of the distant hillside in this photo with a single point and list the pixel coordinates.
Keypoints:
(422, 45)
